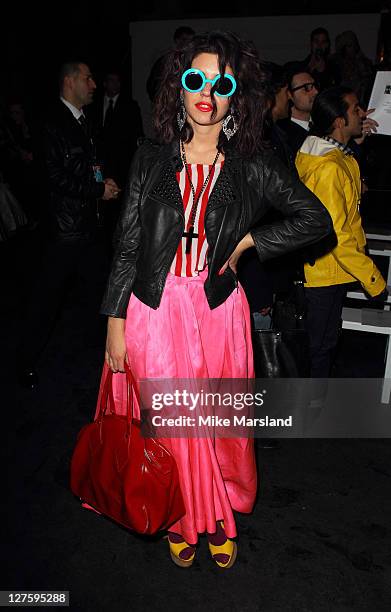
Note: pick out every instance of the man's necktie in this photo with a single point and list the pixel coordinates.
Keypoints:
(83, 122)
(109, 113)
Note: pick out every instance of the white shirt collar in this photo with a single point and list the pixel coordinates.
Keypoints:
(75, 111)
(304, 124)
(114, 98)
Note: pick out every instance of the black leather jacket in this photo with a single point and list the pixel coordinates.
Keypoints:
(69, 158)
(152, 222)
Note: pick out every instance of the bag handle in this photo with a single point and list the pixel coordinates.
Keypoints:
(107, 398)
(130, 386)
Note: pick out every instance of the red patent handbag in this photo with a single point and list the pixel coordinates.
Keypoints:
(131, 479)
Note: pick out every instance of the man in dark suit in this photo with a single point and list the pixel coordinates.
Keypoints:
(118, 123)
(118, 127)
(74, 249)
(302, 91)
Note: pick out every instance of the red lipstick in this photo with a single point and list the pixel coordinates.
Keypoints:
(204, 107)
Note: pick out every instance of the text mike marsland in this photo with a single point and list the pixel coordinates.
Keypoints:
(216, 421)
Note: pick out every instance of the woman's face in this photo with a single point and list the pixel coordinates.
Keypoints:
(199, 106)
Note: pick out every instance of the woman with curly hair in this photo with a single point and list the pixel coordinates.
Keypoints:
(174, 306)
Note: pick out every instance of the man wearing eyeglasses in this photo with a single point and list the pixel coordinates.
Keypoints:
(302, 91)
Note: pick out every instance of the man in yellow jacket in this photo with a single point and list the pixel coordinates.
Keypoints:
(326, 165)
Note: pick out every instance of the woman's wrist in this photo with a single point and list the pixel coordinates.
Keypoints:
(115, 323)
(247, 242)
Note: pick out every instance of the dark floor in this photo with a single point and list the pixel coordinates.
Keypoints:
(318, 539)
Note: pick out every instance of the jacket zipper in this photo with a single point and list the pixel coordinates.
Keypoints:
(208, 261)
(167, 268)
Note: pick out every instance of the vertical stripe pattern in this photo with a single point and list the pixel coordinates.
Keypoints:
(192, 263)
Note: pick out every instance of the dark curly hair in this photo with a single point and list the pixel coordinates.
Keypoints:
(249, 103)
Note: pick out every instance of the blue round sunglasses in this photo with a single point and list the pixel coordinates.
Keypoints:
(194, 80)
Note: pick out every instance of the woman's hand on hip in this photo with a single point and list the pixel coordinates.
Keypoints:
(242, 246)
(116, 345)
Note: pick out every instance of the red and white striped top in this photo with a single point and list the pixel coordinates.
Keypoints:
(190, 264)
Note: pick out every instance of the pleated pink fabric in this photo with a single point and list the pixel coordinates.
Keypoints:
(183, 338)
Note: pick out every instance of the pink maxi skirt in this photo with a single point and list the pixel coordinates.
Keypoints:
(184, 338)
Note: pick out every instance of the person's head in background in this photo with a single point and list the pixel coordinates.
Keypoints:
(76, 83)
(302, 91)
(277, 89)
(112, 83)
(16, 112)
(182, 36)
(336, 112)
(347, 45)
(320, 43)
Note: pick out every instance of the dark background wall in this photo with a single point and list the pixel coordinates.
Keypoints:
(278, 38)
(37, 40)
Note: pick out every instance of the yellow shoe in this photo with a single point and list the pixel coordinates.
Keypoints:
(175, 551)
(229, 548)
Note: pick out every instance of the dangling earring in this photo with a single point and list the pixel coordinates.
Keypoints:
(182, 115)
(230, 131)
